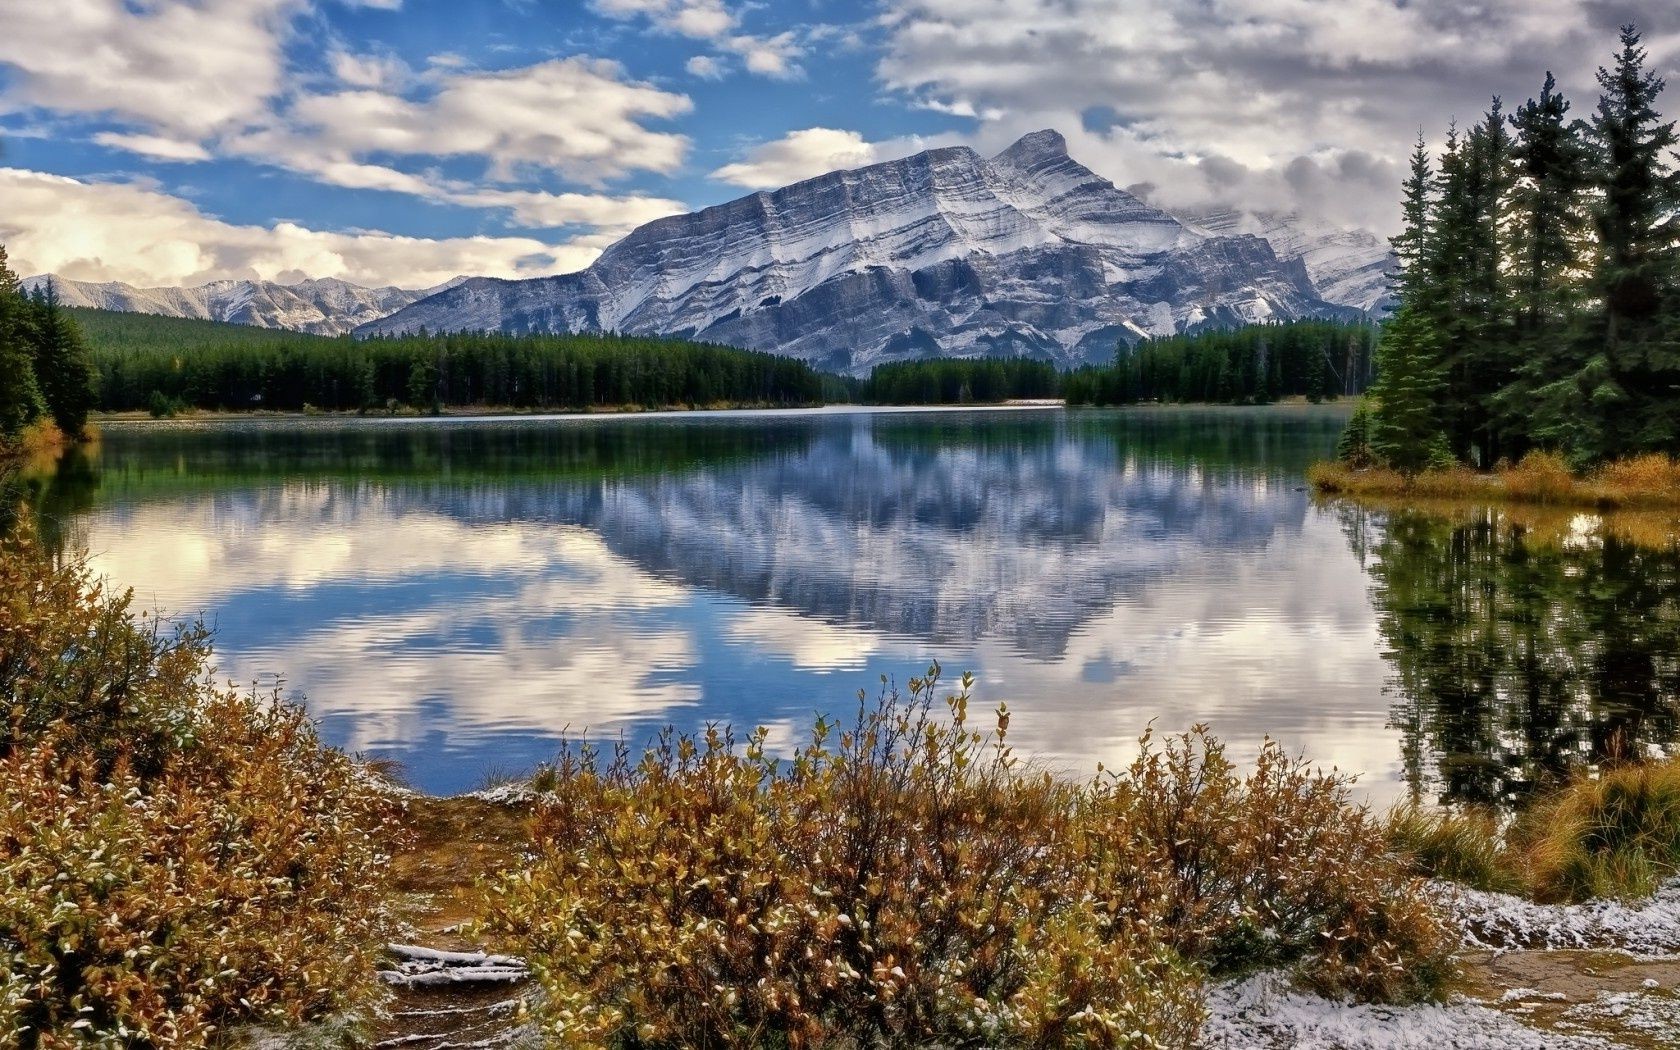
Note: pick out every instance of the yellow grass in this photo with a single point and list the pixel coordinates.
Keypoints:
(1642, 482)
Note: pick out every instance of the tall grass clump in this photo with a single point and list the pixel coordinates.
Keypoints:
(1463, 846)
(1614, 835)
(903, 880)
(175, 859)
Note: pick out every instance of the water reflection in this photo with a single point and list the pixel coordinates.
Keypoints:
(456, 595)
(1522, 649)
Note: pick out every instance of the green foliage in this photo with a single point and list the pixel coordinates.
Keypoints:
(1537, 333)
(44, 367)
(1405, 431)
(212, 366)
(63, 367)
(1458, 845)
(903, 881)
(984, 380)
(1253, 365)
(1353, 447)
(174, 859)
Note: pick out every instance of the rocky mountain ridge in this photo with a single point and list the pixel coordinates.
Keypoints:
(944, 253)
(325, 306)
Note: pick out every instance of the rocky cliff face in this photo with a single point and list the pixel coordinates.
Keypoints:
(325, 307)
(1347, 266)
(944, 253)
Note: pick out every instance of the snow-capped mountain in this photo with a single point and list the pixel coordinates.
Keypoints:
(1349, 266)
(324, 307)
(945, 253)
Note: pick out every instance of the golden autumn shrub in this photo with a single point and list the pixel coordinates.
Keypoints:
(901, 882)
(174, 859)
(1277, 866)
(906, 882)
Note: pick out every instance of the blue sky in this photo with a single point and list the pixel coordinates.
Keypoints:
(405, 141)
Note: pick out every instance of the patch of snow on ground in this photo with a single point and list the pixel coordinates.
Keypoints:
(1657, 1015)
(1498, 921)
(1265, 1013)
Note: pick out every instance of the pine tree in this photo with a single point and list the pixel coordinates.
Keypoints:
(20, 397)
(1639, 193)
(1405, 431)
(63, 367)
(1549, 200)
(1411, 244)
(1624, 394)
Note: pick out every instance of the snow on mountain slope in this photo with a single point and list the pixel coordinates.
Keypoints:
(1347, 266)
(326, 307)
(944, 253)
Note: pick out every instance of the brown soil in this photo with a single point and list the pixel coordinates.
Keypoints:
(454, 843)
(1609, 995)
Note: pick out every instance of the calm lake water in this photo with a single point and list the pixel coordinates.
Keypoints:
(456, 595)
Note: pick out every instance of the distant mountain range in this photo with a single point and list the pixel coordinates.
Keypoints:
(324, 307)
(945, 253)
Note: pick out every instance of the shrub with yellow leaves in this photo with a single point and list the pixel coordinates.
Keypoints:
(175, 859)
(905, 881)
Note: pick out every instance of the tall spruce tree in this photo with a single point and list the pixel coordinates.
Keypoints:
(63, 367)
(1549, 201)
(1404, 427)
(1405, 431)
(1624, 396)
(20, 397)
(1549, 244)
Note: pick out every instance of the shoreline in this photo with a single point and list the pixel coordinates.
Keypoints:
(1643, 483)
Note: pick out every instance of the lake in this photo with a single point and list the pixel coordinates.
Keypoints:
(457, 595)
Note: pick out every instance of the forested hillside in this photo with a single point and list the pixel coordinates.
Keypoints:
(951, 381)
(1252, 365)
(166, 364)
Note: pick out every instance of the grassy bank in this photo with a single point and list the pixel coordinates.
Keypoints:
(1643, 482)
(1613, 834)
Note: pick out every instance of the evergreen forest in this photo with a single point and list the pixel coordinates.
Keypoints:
(45, 374)
(1257, 364)
(167, 365)
(1539, 286)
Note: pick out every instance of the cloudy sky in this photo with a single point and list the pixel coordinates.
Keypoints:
(406, 141)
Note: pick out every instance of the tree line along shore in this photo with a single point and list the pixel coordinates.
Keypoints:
(1534, 353)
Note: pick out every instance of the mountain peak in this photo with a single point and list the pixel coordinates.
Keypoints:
(1048, 144)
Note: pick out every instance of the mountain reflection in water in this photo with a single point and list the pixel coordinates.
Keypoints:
(455, 595)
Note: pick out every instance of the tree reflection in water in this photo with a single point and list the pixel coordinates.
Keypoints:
(1523, 648)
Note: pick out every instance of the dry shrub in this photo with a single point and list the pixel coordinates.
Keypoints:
(1615, 835)
(1275, 867)
(1649, 478)
(905, 882)
(174, 860)
(899, 883)
(1462, 846)
(1540, 477)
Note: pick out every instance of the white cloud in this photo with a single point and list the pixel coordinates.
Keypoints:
(706, 67)
(386, 72)
(814, 151)
(123, 232)
(715, 23)
(1244, 98)
(156, 147)
(186, 70)
(578, 116)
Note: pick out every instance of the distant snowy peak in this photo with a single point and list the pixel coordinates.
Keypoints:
(944, 253)
(1350, 266)
(324, 306)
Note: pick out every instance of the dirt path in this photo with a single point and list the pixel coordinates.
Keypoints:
(456, 842)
